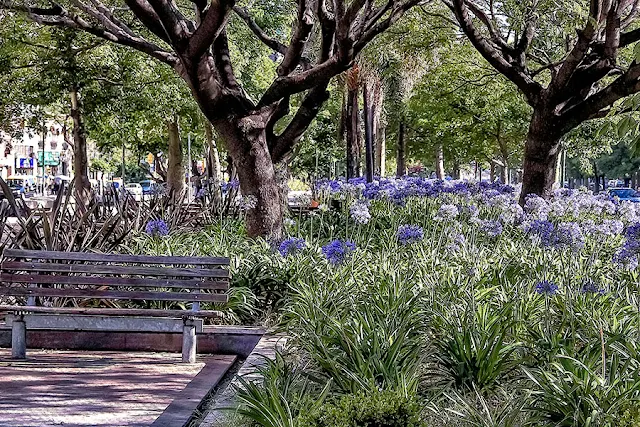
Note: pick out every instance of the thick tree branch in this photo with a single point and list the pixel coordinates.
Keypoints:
(176, 25)
(274, 44)
(303, 27)
(213, 23)
(70, 20)
(577, 54)
(495, 57)
(148, 17)
(307, 112)
(625, 85)
(327, 29)
(299, 82)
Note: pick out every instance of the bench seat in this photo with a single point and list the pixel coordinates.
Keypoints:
(83, 291)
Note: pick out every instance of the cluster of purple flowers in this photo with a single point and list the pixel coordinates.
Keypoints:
(291, 246)
(591, 287)
(627, 256)
(360, 212)
(545, 287)
(338, 251)
(231, 185)
(399, 189)
(408, 234)
(565, 235)
(540, 231)
(568, 235)
(157, 228)
(456, 242)
(492, 228)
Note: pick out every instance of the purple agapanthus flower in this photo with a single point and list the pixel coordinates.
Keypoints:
(338, 251)
(569, 235)
(545, 287)
(589, 286)
(157, 228)
(408, 234)
(291, 246)
(492, 228)
(542, 231)
(360, 212)
(231, 185)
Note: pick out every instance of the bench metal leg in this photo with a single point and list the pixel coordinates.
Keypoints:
(189, 342)
(19, 339)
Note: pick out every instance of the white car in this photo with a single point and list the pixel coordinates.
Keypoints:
(135, 190)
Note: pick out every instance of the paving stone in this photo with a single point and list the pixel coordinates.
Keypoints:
(104, 389)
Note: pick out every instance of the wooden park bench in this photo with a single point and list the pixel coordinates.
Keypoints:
(75, 287)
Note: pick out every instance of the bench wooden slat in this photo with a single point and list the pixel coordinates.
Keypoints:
(113, 269)
(98, 257)
(152, 312)
(114, 281)
(113, 294)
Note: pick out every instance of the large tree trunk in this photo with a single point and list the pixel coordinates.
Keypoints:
(247, 143)
(439, 161)
(401, 169)
(540, 158)
(353, 134)
(80, 160)
(175, 169)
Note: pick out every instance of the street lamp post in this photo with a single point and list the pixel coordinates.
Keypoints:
(189, 168)
(44, 135)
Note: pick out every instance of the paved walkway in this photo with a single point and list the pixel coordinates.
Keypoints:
(103, 389)
(267, 347)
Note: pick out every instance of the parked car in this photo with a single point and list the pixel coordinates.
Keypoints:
(21, 185)
(150, 187)
(135, 190)
(628, 194)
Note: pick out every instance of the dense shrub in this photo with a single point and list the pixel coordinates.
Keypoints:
(377, 409)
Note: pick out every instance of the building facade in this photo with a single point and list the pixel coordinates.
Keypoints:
(28, 155)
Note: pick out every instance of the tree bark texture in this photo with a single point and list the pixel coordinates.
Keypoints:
(259, 185)
(540, 158)
(401, 169)
(214, 168)
(369, 134)
(80, 160)
(175, 169)
(353, 135)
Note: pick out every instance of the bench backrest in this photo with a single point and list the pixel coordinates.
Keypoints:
(113, 276)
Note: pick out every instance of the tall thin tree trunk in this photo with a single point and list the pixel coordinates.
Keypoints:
(353, 134)
(504, 153)
(80, 160)
(381, 151)
(401, 169)
(368, 131)
(439, 161)
(492, 171)
(175, 169)
(214, 169)
(378, 127)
